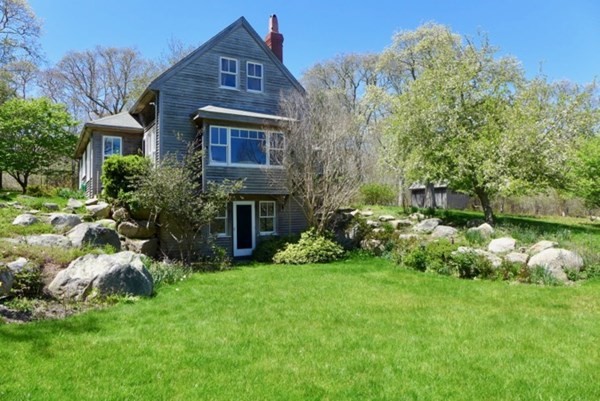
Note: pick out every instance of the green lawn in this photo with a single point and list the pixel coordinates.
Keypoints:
(355, 330)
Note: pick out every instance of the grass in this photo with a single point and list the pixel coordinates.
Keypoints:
(360, 329)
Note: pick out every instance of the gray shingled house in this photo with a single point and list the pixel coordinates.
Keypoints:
(226, 94)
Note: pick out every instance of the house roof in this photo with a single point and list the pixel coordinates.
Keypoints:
(122, 122)
(227, 114)
(206, 46)
(418, 185)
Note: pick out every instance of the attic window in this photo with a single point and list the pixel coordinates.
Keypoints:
(229, 73)
(254, 75)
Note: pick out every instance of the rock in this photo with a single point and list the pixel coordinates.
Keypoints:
(137, 229)
(378, 230)
(63, 221)
(557, 261)
(444, 232)
(99, 211)
(373, 223)
(502, 245)
(366, 213)
(494, 260)
(354, 212)
(517, 257)
(148, 247)
(120, 214)
(541, 246)
(475, 222)
(485, 230)
(74, 203)
(93, 234)
(417, 216)
(6, 280)
(108, 223)
(122, 273)
(401, 223)
(373, 245)
(91, 202)
(25, 220)
(18, 265)
(49, 240)
(408, 237)
(427, 226)
(386, 217)
(33, 211)
(50, 206)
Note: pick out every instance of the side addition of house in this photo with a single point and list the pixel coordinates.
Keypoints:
(226, 95)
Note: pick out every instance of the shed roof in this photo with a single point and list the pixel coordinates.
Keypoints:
(227, 114)
(122, 122)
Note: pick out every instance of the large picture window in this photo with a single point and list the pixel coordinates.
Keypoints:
(111, 146)
(245, 147)
(254, 77)
(229, 72)
(266, 217)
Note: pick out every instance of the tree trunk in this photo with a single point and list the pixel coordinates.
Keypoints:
(430, 196)
(401, 192)
(486, 205)
(0, 179)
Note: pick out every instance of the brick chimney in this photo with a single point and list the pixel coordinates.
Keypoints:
(274, 39)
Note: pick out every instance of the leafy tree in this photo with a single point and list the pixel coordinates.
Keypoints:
(120, 174)
(173, 190)
(586, 172)
(34, 134)
(472, 120)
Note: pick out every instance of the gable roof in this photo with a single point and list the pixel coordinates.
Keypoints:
(122, 122)
(241, 22)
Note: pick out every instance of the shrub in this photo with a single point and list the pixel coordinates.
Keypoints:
(267, 248)
(378, 194)
(475, 238)
(67, 193)
(28, 283)
(311, 248)
(165, 272)
(39, 191)
(119, 175)
(470, 265)
(539, 275)
(432, 257)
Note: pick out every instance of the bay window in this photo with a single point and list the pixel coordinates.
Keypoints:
(245, 147)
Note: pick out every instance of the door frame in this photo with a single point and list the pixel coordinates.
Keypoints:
(243, 252)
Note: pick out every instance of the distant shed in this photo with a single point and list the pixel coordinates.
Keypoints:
(444, 197)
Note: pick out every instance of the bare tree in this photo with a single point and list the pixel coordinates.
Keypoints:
(22, 75)
(320, 154)
(19, 31)
(97, 82)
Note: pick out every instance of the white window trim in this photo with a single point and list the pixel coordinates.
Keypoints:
(237, 73)
(262, 77)
(228, 163)
(104, 138)
(221, 235)
(274, 218)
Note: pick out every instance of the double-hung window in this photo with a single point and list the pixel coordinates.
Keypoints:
(229, 73)
(266, 216)
(245, 147)
(111, 145)
(254, 77)
(218, 226)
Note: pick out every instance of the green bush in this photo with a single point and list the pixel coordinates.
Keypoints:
(167, 272)
(67, 193)
(27, 283)
(378, 194)
(470, 265)
(39, 191)
(119, 175)
(311, 248)
(432, 257)
(267, 248)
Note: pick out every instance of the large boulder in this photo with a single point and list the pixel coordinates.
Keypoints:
(494, 259)
(386, 217)
(108, 223)
(91, 202)
(99, 211)
(26, 219)
(485, 230)
(502, 245)
(148, 247)
(137, 229)
(517, 258)
(541, 246)
(95, 235)
(49, 240)
(120, 214)
(427, 226)
(444, 232)
(397, 224)
(63, 221)
(20, 265)
(50, 206)
(121, 273)
(557, 262)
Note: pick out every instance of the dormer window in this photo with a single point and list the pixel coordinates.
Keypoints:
(229, 73)
(254, 74)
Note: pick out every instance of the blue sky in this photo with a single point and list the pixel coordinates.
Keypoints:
(562, 36)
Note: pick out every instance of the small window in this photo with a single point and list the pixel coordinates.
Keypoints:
(218, 226)
(267, 217)
(229, 73)
(218, 145)
(111, 146)
(254, 75)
